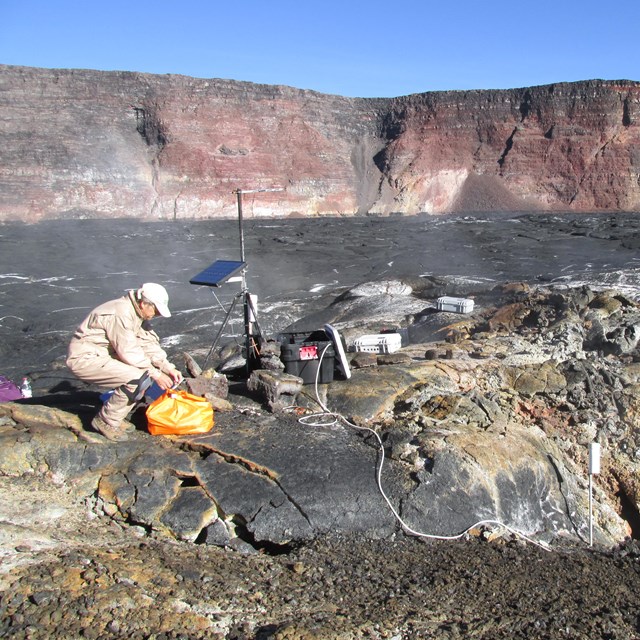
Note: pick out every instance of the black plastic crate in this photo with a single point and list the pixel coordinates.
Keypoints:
(308, 356)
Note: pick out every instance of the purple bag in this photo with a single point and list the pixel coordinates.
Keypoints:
(8, 390)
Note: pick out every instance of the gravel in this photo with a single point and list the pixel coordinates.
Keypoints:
(101, 580)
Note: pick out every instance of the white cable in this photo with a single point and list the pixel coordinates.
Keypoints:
(309, 421)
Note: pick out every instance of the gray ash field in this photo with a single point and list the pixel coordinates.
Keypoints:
(53, 273)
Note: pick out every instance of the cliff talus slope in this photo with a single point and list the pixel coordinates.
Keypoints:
(90, 143)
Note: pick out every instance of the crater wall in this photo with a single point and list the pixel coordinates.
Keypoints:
(82, 143)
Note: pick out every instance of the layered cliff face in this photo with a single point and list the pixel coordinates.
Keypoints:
(89, 143)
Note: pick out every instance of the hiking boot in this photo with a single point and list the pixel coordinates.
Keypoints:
(114, 434)
(126, 425)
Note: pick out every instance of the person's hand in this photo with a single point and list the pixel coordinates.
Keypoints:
(164, 381)
(175, 375)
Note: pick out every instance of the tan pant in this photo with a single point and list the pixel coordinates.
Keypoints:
(109, 373)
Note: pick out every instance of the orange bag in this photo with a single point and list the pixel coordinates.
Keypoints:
(179, 413)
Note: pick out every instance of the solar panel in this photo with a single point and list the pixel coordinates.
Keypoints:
(218, 272)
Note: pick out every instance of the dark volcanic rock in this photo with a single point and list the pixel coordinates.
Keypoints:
(467, 440)
(273, 481)
(205, 537)
(337, 587)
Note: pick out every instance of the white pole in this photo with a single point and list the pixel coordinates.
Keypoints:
(594, 467)
(591, 510)
(253, 311)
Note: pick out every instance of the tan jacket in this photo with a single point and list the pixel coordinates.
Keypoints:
(114, 330)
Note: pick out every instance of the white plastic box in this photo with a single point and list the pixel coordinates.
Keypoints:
(379, 343)
(455, 305)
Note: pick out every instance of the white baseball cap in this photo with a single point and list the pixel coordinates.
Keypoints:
(157, 294)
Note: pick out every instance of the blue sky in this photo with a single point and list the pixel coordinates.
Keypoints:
(366, 48)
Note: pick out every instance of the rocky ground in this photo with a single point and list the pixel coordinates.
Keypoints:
(82, 577)
(561, 363)
(70, 570)
(75, 576)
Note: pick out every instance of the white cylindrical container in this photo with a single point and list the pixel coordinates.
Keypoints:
(25, 388)
(253, 307)
(594, 458)
(252, 312)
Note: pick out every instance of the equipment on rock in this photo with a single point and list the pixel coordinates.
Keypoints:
(179, 413)
(455, 305)
(314, 355)
(379, 343)
(308, 355)
(222, 271)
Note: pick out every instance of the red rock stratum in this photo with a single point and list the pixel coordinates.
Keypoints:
(80, 143)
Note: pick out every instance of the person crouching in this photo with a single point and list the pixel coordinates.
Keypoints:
(114, 347)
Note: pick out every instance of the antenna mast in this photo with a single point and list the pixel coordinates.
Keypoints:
(250, 313)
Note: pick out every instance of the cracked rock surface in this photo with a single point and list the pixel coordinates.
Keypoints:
(261, 479)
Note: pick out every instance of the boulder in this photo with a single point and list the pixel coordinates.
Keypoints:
(209, 382)
(470, 476)
(277, 388)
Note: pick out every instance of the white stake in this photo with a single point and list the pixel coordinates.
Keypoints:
(594, 467)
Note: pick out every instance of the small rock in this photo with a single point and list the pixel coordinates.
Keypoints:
(114, 626)
(209, 382)
(192, 366)
(271, 363)
(41, 598)
(270, 348)
(272, 385)
(218, 404)
(217, 534)
(393, 358)
(232, 363)
(362, 360)
(241, 546)
(298, 567)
